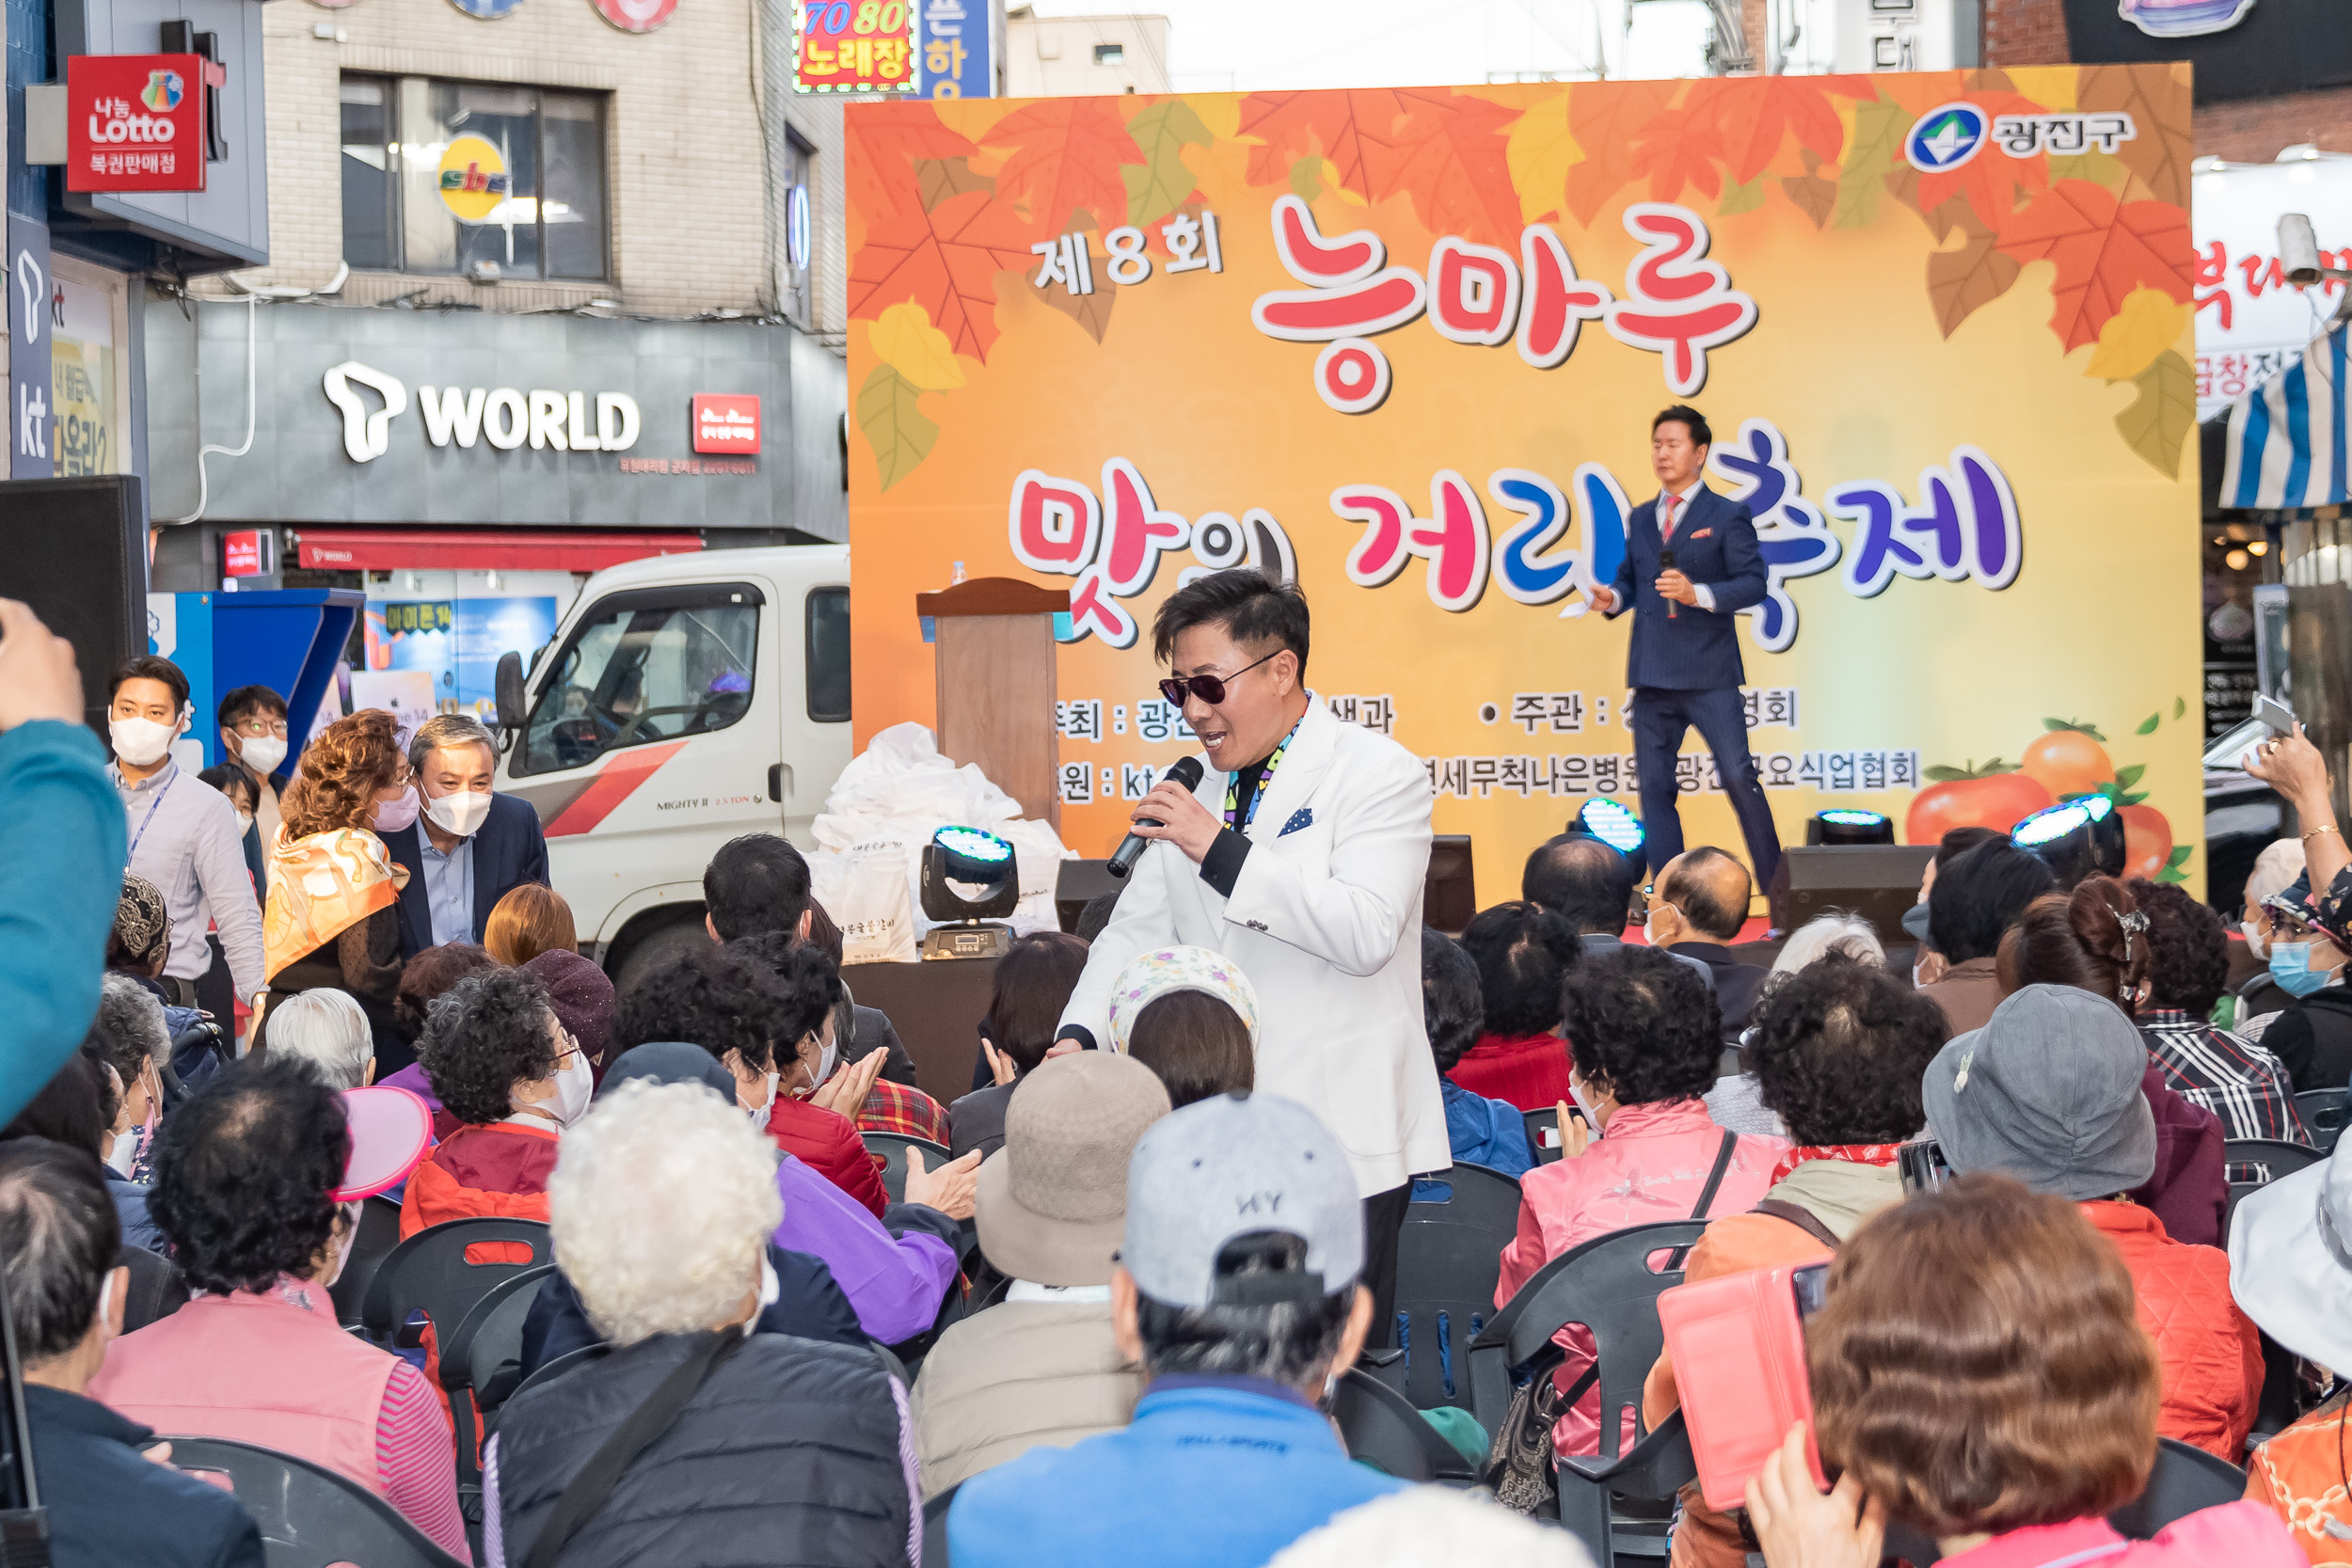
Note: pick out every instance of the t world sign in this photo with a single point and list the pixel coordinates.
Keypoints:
(135, 122)
(370, 399)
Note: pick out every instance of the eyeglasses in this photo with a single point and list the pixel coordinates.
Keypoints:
(570, 1050)
(258, 727)
(1209, 689)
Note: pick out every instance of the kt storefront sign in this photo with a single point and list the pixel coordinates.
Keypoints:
(364, 417)
(135, 122)
(29, 414)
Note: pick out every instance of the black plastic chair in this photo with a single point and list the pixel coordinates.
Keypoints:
(379, 1232)
(1382, 1426)
(481, 1366)
(1646, 1476)
(2250, 1164)
(1449, 1256)
(2182, 1481)
(430, 1273)
(2324, 1113)
(570, 1360)
(1541, 1125)
(311, 1517)
(893, 1148)
(935, 1528)
(1610, 1285)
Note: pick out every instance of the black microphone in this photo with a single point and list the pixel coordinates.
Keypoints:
(1131, 849)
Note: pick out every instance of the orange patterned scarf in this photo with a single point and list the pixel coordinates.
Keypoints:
(322, 885)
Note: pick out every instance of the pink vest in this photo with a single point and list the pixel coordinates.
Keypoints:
(254, 1368)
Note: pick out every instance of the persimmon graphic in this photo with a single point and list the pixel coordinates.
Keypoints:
(2068, 759)
(2147, 842)
(1995, 796)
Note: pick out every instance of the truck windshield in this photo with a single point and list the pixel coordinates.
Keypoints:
(639, 675)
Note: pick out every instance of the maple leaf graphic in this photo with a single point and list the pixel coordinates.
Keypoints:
(2102, 251)
(1449, 154)
(1067, 153)
(1289, 125)
(1602, 118)
(946, 260)
(1754, 115)
(886, 141)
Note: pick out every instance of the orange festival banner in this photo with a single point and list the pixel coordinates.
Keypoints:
(1405, 344)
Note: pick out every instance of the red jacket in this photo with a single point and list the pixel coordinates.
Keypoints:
(501, 1168)
(1529, 1070)
(2211, 1351)
(828, 1142)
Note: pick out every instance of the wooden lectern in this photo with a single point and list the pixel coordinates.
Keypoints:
(994, 638)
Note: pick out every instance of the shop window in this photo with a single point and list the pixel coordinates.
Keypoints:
(829, 655)
(658, 664)
(472, 178)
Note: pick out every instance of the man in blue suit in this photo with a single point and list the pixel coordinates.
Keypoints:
(470, 847)
(1684, 664)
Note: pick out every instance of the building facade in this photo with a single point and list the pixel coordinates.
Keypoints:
(550, 284)
(1079, 56)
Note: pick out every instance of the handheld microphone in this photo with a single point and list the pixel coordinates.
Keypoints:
(1666, 563)
(1131, 849)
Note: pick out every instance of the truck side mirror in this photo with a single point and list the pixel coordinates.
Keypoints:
(508, 688)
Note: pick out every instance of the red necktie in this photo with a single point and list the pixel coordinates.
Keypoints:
(1666, 517)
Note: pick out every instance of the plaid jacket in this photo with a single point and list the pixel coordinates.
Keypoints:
(896, 1108)
(2227, 1074)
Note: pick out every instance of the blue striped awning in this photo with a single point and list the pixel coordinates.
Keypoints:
(2286, 441)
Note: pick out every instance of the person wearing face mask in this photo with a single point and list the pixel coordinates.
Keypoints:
(2313, 1034)
(258, 1180)
(2257, 999)
(253, 737)
(333, 917)
(185, 837)
(129, 1034)
(470, 847)
(505, 1065)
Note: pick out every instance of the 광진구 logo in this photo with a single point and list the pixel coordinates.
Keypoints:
(1945, 137)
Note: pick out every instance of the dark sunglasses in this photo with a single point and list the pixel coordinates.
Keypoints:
(1209, 689)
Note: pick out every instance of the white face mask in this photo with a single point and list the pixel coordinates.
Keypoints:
(2255, 942)
(122, 1151)
(245, 822)
(141, 742)
(760, 1112)
(460, 813)
(260, 752)
(574, 1086)
(826, 1063)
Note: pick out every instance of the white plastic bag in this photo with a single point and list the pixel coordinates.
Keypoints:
(864, 888)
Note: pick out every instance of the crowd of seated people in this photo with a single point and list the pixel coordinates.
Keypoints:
(783, 1330)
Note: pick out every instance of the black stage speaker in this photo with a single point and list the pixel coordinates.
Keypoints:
(1877, 881)
(75, 549)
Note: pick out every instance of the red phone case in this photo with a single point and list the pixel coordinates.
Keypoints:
(1739, 1358)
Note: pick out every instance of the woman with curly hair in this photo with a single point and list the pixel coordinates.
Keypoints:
(333, 915)
(1978, 1377)
(768, 1029)
(502, 1064)
(1648, 1035)
(1838, 1049)
(246, 1175)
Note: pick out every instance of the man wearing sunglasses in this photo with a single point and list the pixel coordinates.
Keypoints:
(1300, 857)
(1691, 563)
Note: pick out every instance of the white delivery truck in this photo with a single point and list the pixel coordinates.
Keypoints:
(686, 700)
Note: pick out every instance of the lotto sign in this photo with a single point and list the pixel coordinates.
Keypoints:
(854, 46)
(135, 122)
(1404, 345)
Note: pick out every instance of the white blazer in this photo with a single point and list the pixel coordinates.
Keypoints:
(1326, 921)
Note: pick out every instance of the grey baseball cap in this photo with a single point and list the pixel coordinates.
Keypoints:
(2047, 1091)
(1230, 1166)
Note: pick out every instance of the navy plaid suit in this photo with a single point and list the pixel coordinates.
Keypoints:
(1685, 669)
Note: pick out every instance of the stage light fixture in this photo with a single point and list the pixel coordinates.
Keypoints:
(1847, 826)
(2075, 838)
(1606, 820)
(961, 858)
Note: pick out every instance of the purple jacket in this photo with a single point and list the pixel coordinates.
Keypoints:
(2188, 1191)
(894, 1281)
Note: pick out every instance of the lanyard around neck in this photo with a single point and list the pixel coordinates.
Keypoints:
(154, 807)
(1238, 814)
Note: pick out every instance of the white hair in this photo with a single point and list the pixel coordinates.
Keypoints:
(328, 1028)
(661, 1204)
(1833, 931)
(2274, 870)
(1432, 1527)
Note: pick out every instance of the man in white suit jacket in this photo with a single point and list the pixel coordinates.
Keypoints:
(1301, 856)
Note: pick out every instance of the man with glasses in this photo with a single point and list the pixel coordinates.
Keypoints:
(1300, 857)
(183, 834)
(1691, 563)
(253, 732)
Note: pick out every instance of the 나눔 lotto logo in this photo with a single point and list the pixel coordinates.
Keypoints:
(1945, 137)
